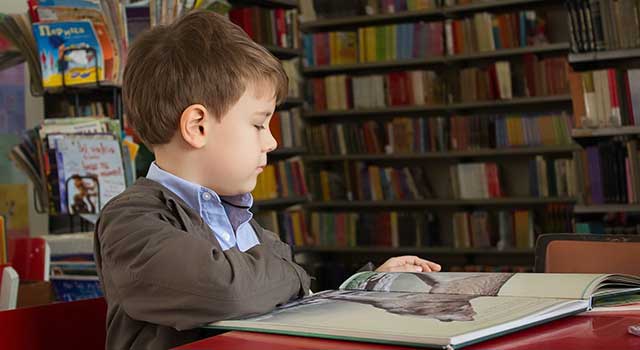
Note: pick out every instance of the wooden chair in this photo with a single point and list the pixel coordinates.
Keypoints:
(57, 326)
(587, 253)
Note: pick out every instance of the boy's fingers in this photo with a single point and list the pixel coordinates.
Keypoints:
(425, 264)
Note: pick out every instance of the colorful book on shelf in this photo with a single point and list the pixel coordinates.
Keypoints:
(439, 310)
(90, 171)
(70, 48)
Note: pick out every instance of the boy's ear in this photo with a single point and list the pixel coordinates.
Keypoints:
(194, 124)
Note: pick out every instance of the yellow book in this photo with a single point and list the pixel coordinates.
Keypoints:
(324, 184)
(3, 241)
(334, 57)
(362, 45)
(298, 237)
(370, 33)
(376, 185)
(524, 236)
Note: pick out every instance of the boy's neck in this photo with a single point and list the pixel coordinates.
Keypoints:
(178, 166)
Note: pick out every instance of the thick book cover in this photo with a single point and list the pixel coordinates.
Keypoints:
(439, 310)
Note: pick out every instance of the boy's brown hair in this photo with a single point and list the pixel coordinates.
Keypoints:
(202, 58)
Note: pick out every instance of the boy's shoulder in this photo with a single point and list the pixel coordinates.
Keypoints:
(143, 195)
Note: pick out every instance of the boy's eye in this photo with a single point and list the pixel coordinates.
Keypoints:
(260, 127)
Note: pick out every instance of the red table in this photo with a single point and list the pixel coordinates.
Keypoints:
(587, 331)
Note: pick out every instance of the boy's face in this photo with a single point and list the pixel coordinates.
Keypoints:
(237, 146)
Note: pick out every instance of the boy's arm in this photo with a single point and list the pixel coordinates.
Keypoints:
(164, 275)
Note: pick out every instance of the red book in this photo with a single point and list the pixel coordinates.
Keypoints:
(29, 256)
(275, 127)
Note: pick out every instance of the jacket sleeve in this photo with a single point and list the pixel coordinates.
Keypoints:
(165, 275)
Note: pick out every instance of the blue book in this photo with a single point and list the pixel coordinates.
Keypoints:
(69, 47)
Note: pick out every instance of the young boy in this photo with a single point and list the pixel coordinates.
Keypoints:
(178, 249)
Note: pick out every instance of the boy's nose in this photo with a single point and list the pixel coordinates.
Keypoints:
(270, 143)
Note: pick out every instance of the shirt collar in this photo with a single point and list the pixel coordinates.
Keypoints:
(189, 192)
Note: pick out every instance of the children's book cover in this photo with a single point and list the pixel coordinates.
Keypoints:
(92, 172)
(69, 47)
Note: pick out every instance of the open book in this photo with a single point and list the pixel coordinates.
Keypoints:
(441, 310)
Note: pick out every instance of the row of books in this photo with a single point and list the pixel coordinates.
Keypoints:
(388, 229)
(488, 32)
(76, 164)
(611, 171)
(546, 178)
(552, 177)
(281, 179)
(610, 224)
(476, 180)
(498, 80)
(286, 127)
(371, 44)
(290, 224)
(481, 33)
(599, 25)
(278, 27)
(66, 107)
(371, 182)
(439, 134)
(517, 228)
(504, 80)
(339, 8)
(606, 98)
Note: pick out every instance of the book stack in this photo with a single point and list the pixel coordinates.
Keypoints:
(76, 164)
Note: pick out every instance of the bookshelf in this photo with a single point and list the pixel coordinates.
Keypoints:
(608, 202)
(281, 189)
(441, 206)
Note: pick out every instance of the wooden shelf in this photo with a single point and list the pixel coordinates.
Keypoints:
(502, 152)
(434, 61)
(624, 130)
(451, 108)
(434, 203)
(280, 202)
(370, 20)
(600, 56)
(423, 15)
(283, 52)
(413, 250)
(290, 102)
(606, 208)
(287, 152)
(380, 65)
(492, 5)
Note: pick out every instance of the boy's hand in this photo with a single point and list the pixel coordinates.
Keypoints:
(408, 263)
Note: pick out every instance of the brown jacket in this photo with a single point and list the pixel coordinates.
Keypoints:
(164, 274)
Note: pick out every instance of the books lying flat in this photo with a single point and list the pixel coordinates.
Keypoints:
(440, 310)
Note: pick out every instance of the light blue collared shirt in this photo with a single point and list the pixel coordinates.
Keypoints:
(224, 219)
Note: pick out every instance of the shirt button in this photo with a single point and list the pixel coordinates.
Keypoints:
(225, 236)
(206, 196)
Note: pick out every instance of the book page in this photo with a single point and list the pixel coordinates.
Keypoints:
(569, 286)
(412, 318)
